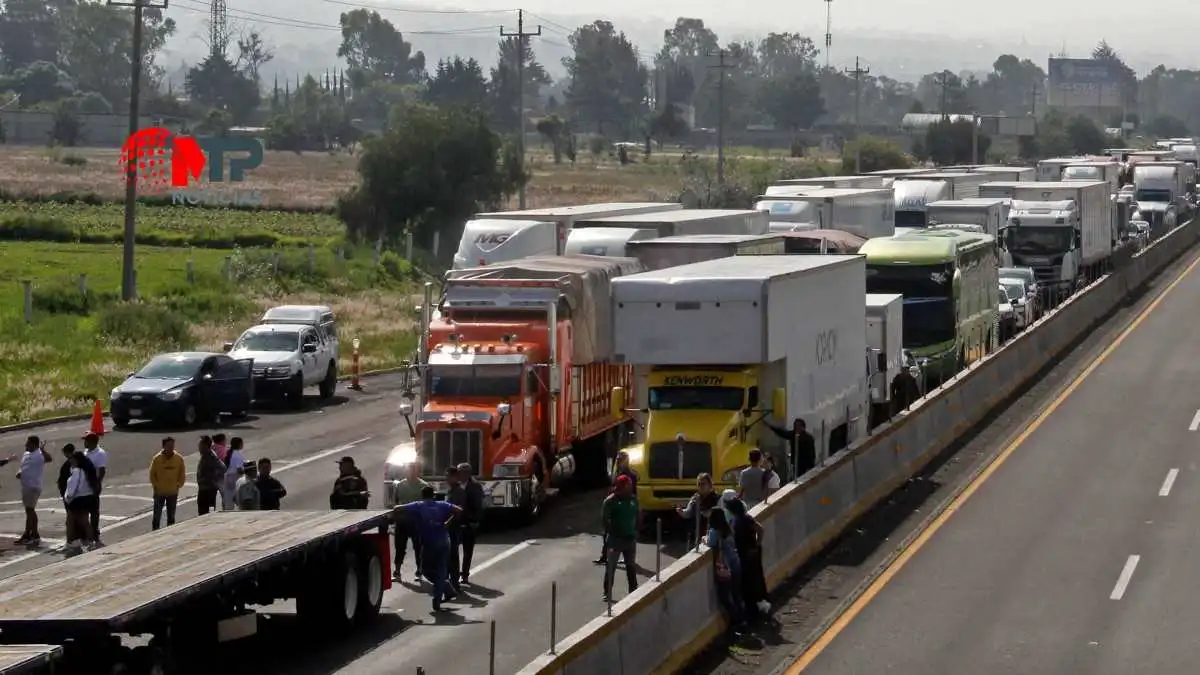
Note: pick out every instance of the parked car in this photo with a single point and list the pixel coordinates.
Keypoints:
(294, 347)
(1020, 300)
(1032, 291)
(1008, 318)
(184, 387)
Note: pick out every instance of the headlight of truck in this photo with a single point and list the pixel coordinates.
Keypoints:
(278, 371)
(172, 395)
(731, 476)
(114, 394)
(507, 470)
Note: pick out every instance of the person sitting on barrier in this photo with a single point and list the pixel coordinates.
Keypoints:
(700, 506)
(747, 536)
(727, 569)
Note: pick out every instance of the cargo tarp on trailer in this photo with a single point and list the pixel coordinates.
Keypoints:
(583, 291)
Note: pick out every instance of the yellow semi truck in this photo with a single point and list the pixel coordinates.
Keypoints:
(721, 346)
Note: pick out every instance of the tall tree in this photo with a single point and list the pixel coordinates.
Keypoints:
(944, 93)
(683, 59)
(784, 53)
(376, 51)
(1104, 53)
(505, 91)
(1015, 86)
(33, 30)
(217, 84)
(253, 54)
(608, 81)
(792, 99)
(457, 82)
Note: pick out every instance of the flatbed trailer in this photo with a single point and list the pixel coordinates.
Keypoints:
(190, 585)
(28, 659)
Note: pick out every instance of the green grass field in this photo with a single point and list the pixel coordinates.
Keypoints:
(79, 346)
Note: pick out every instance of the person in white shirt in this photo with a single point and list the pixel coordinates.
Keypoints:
(234, 462)
(99, 460)
(33, 468)
(80, 498)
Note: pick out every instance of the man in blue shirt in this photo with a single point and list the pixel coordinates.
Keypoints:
(433, 519)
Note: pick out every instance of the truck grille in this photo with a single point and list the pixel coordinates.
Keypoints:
(664, 460)
(444, 448)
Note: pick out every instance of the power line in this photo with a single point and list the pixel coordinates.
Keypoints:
(858, 72)
(286, 22)
(521, 35)
(721, 54)
(401, 10)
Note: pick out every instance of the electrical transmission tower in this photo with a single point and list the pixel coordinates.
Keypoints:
(828, 30)
(218, 28)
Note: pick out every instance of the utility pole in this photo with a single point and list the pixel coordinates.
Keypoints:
(943, 80)
(858, 72)
(521, 35)
(721, 66)
(1033, 98)
(128, 269)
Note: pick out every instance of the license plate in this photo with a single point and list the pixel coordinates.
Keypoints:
(135, 413)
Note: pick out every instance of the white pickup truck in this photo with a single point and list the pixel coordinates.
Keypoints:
(293, 347)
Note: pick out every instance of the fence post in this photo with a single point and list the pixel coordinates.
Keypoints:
(354, 367)
(408, 246)
(227, 268)
(27, 288)
(492, 649)
(275, 264)
(436, 240)
(553, 615)
(191, 272)
(83, 285)
(658, 549)
(312, 259)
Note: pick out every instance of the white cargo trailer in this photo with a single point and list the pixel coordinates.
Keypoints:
(1063, 230)
(889, 176)
(1186, 152)
(885, 339)
(989, 213)
(1000, 189)
(1109, 172)
(779, 322)
(1161, 181)
(866, 212)
(564, 218)
(1013, 173)
(835, 182)
(606, 241)
(664, 252)
(779, 190)
(963, 185)
(1050, 170)
(487, 241)
(911, 196)
(690, 221)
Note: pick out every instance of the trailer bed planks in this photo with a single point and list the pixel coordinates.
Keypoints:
(24, 659)
(113, 587)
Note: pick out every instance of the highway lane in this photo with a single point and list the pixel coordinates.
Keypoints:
(514, 567)
(1075, 552)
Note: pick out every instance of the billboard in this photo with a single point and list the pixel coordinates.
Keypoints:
(1083, 83)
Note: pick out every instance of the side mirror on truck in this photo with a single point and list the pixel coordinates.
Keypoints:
(406, 411)
(616, 402)
(779, 403)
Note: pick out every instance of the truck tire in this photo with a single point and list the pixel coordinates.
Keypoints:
(329, 385)
(329, 599)
(370, 585)
(295, 392)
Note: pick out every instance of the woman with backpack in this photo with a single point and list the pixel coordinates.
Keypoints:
(727, 569)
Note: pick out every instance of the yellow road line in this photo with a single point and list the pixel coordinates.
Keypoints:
(856, 608)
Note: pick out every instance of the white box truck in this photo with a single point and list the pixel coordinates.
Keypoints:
(606, 241)
(1050, 170)
(866, 212)
(1063, 230)
(664, 252)
(989, 213)
(486, 240)
(911, 196)
(1013, 173)
(1109, 172)
(963, 185)
(889, 176)
(1000, 189)
(835, 181)
(779, 190)
(721, 344)
(1186, 152)
(1159, 189)
(689, 221)
(885, 339)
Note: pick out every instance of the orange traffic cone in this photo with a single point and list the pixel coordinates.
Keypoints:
(97, 420)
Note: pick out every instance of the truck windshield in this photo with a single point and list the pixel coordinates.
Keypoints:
(696, 398)
(491, 380)
(928, 321)
(910, 219)
(912, 281)
(1152, 196)
(268, 341)
(1043, 240)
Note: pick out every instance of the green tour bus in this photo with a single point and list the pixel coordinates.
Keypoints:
(948, 279)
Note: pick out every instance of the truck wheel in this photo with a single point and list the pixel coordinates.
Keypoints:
(189, 415)
(295, 392)
(329, 384)
(329, 599)
(120, 422)
(531, 504)
(370, 596)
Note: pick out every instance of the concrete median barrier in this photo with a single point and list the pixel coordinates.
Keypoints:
(664, 624)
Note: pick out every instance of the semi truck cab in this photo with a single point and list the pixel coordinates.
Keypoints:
(716, 410)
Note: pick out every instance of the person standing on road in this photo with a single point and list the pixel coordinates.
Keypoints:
(408, 490)
(80, 498)
(434, 521)
(99, 459)
(64, 475)
(472, 518)
(210, 476)
(350, 490)
(456, 494)
(33, 468)
(168, 475)
(622, 521)
(234, 460)
(270, 491)
(245, 493)
(622, 469)
(221, 448)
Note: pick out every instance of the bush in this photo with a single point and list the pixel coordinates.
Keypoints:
(42, 228)
(64, 297)
(876, 154)
(143, 324)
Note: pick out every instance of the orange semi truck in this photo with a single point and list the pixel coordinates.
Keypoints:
(516, 372)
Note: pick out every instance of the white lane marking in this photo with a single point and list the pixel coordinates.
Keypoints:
(146, 514)
(1165, 490)
(503, 555)
(1195, 425)
(62, 511)
(1131, 564)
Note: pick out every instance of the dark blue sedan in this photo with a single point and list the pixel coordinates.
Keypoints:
(184, 388)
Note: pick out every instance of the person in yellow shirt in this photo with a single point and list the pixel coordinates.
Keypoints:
(167, 476)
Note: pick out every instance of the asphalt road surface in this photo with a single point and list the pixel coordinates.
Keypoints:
(1076, 551)
(511, 581)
